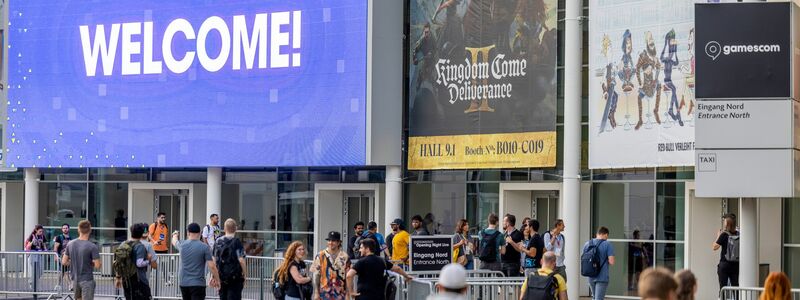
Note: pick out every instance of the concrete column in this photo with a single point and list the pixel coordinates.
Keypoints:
(749, 242)
(213, 193)
(394, 196)
(31, 199)
(571, 205)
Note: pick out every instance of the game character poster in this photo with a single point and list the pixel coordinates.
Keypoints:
(482, 84)
(641, 83)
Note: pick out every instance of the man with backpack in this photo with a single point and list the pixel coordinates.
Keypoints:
(195, 256)
(329, 270)
(130, 265)
(492, 245)
(212, 231)
(59, 245)
(554, 241)
(352, 247)
(229, 257)
(596, 257)
(545, 284)
(371, 233)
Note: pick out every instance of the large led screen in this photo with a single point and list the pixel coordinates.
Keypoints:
(185, 83)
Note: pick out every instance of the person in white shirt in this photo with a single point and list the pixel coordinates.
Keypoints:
(554, 242)
(212, 231)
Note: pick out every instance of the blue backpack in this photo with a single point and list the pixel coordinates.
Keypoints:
(591, 262)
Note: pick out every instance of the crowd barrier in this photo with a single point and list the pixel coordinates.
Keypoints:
(744, 293)
(477, 287)
(41, 275)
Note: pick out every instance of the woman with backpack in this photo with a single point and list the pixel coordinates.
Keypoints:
(292, 275)
(728, 241)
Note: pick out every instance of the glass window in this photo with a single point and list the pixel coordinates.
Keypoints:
(108, 205)
(63, 174)
(631, 259)
(670, 255)
(791, 264)
(625, 208)
(670, 214)
(482, 199)
(119, 174)
(295, 211)
(180, 175)
(440, 205)
(791, 221)
(61, 203)
(253, 205)
(675, 173)
(269, 174)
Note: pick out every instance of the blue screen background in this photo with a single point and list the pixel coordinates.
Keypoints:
(312, 115)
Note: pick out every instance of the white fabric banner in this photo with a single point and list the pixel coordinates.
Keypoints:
(641, 83)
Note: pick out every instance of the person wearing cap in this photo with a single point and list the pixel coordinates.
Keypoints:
(329, 269)
(195, 256)
(452, 283)
(400, 242)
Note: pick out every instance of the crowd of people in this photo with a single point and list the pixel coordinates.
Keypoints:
(213, 256)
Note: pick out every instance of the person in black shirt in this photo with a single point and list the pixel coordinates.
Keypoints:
(292, 273)
(59, 244)
(727, 270)
(510, 259)
(532, 247)
(351, 242)
(370, 270)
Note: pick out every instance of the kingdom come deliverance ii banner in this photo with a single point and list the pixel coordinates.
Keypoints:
(482, 84)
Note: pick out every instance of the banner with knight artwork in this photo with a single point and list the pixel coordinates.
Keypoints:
(641, 83)
(482, 84)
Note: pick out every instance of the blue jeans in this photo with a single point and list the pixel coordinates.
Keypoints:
(598, 289)
(470, 265)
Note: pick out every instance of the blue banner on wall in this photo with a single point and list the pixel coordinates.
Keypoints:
(187, 83)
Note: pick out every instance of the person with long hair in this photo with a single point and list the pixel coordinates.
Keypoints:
(687, 285)
(36, 242)
(777, 287)
(292, 273)
(728, 268)
(462, 243)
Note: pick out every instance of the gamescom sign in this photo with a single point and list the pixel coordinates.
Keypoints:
(741, 59)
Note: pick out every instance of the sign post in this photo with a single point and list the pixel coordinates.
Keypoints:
(430, 253)
(747, 100)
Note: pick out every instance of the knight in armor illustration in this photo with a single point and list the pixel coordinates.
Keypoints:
(609, 92)
(648, 68)
(627, 68)
(424, 50)
(669, 57)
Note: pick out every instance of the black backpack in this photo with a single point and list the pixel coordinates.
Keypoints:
(357, 243)
(591, 262)
(542, 287)
(227, 259)
(732, 249)
(390, 288)
(489, 247)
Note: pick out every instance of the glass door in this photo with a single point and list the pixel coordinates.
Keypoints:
(358, 206)
(545, 208)
(173, 204)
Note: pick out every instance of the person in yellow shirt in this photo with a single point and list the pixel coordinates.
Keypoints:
(400, 243)
(548, 264)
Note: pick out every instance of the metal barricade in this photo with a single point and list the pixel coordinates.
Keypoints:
(30, 273)
(419, 289)
(104, 278)
(745, 293)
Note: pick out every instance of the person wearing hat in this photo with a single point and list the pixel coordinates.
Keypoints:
(195, 256)
(329, 269)
(400, 242)
(452, 283)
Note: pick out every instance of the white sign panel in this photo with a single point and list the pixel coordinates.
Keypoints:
(745, 173)
(744, 124)
(641, 83)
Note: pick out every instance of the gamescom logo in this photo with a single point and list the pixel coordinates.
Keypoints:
(714, 49)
